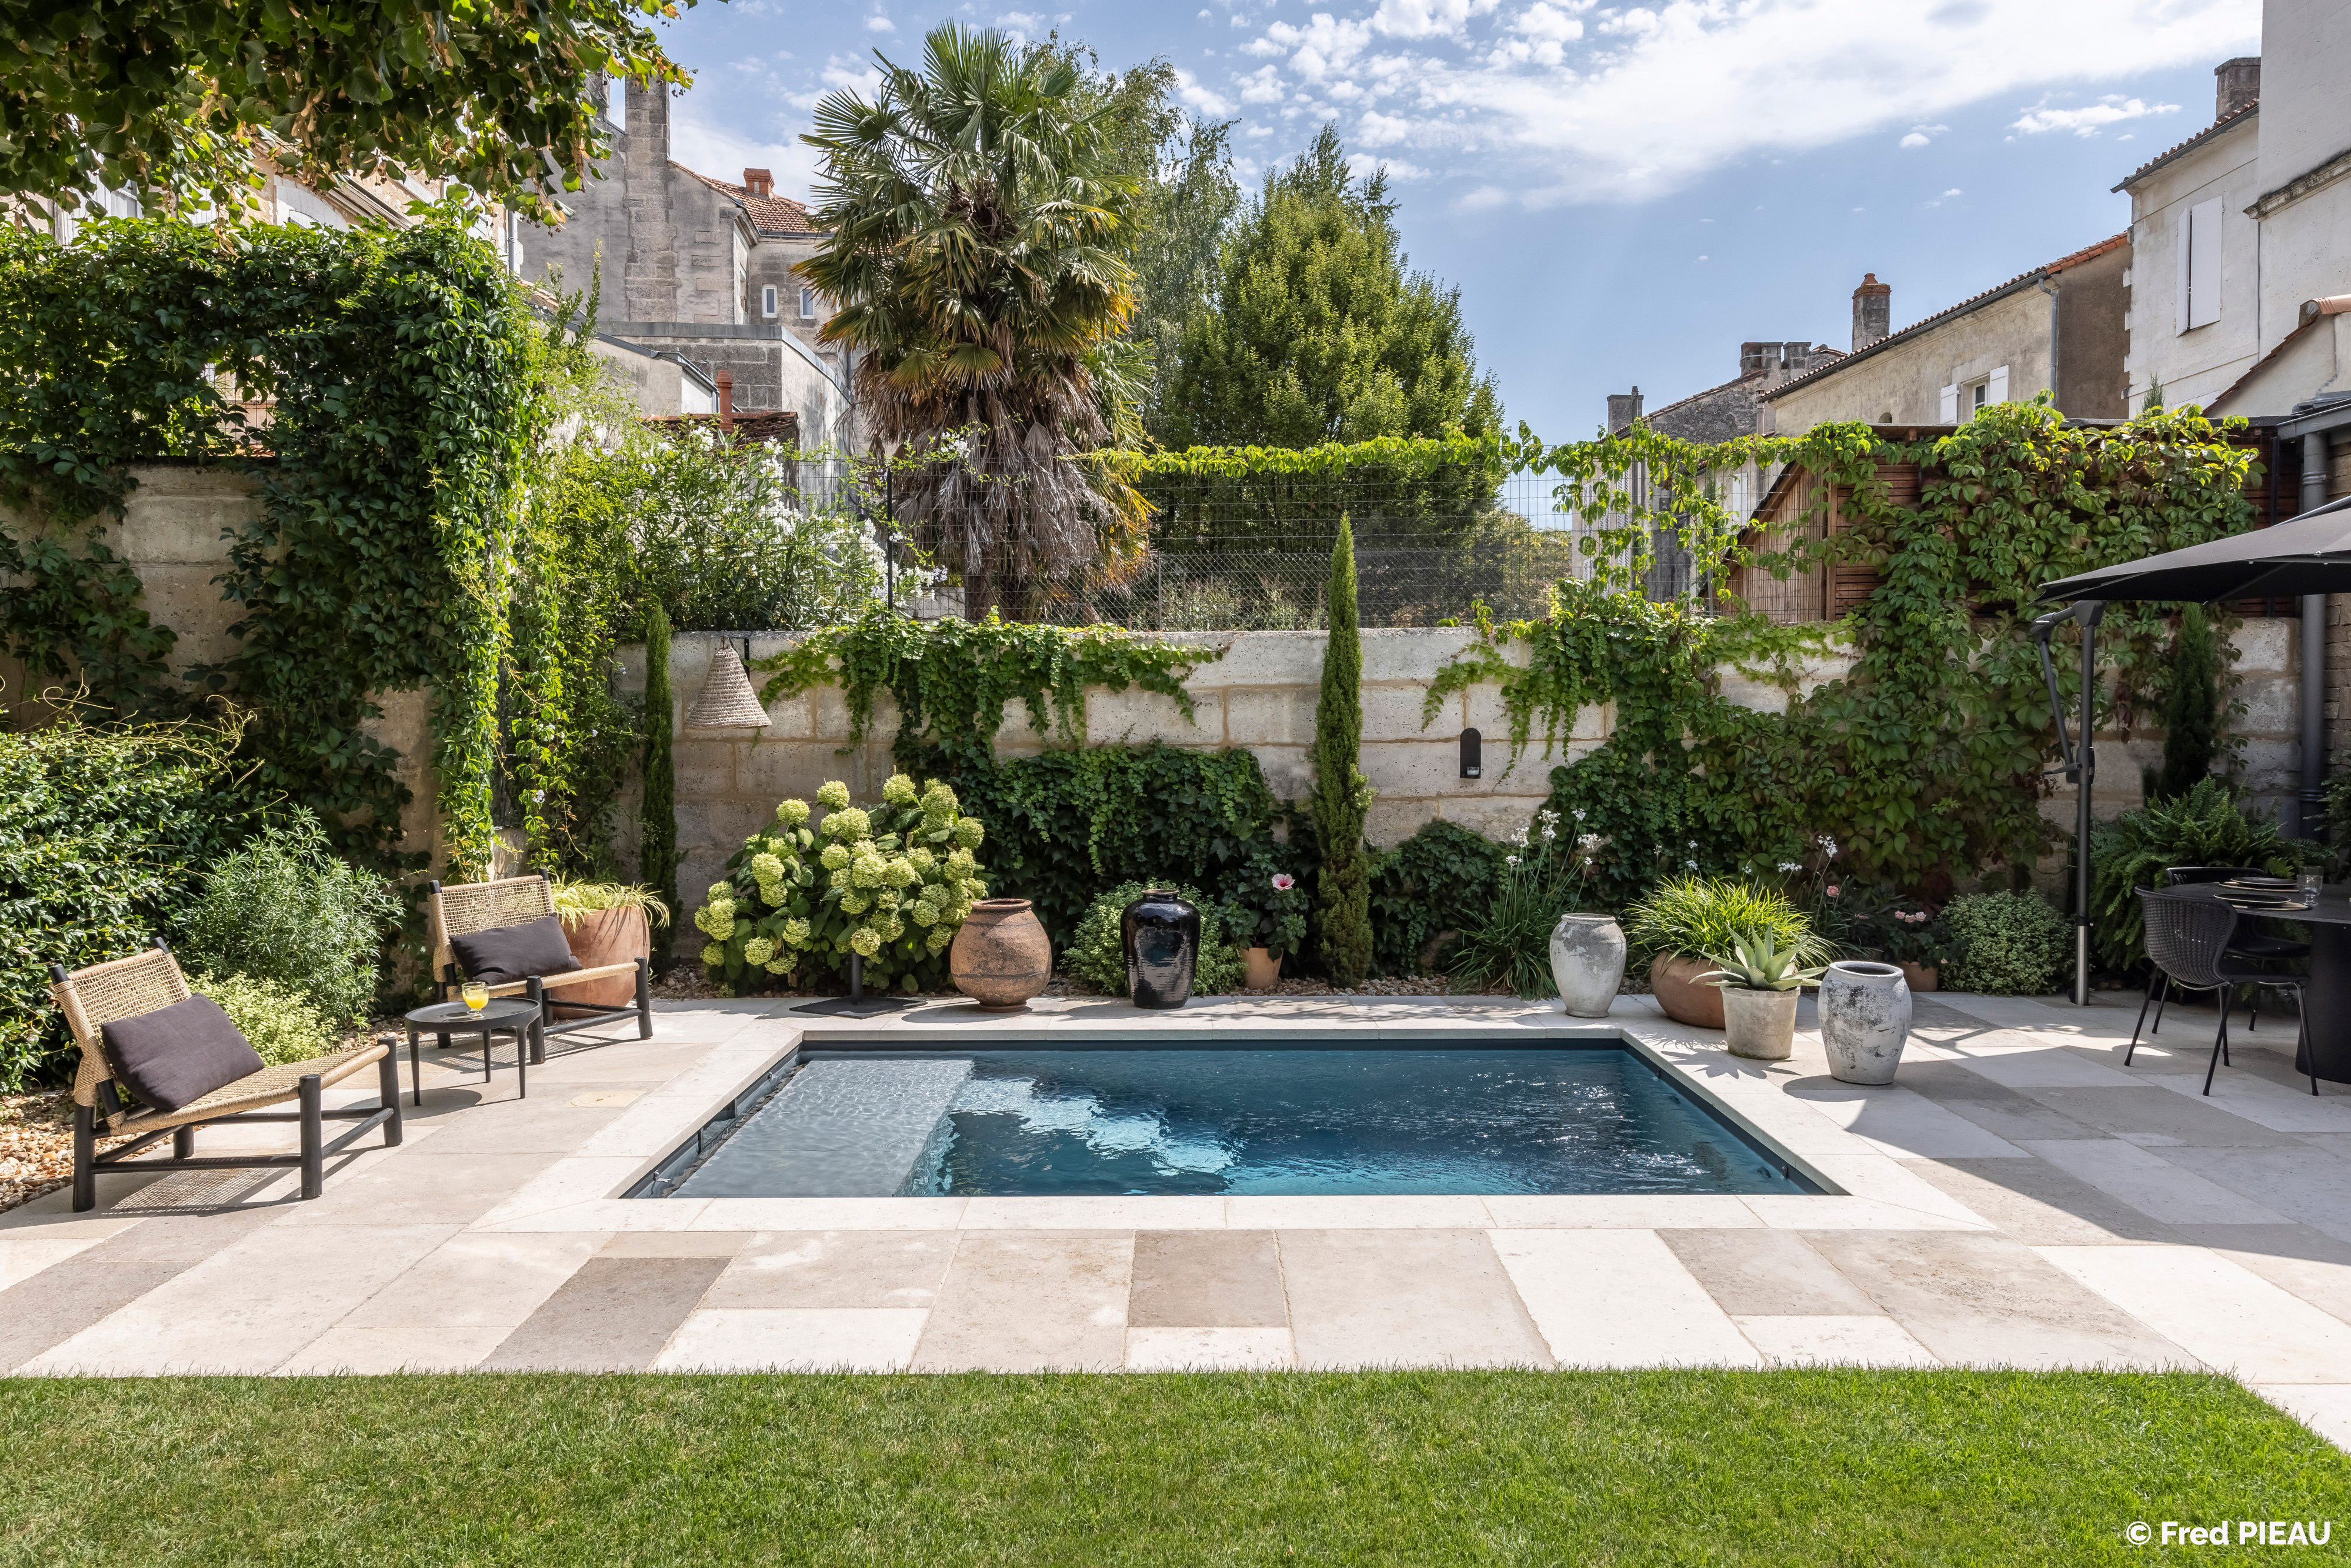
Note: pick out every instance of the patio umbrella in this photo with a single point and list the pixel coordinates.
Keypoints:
(2304, 555)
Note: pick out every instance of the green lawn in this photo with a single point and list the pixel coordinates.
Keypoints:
(1827, 1467)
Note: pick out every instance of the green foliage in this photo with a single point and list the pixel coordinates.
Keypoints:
(2205, 826)
(1507, 946)
(1062, 825)
(1341, 796)
(284, 907)
(1905, 931)
(1097, 952)
(2192, 706)
(575, 899)
(281, 1023)
(891, 884)
(104, 829)
(75, 614)
(1442, 879)
(2007, 945)
(657, 856)
(1265, 904)
(1317, 332)
(1758, 963)
(1705, 917)
(193, 105)
(402, 369)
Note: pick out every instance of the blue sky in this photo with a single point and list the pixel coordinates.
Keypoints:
(1622, 194)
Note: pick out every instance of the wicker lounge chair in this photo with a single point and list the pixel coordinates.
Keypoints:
(132, 987)
(471, 907)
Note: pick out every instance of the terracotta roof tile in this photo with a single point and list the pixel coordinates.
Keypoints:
(2168, 154)
(769, 214)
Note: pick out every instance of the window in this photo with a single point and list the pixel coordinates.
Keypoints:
(808, 304)
(1976, 394)
(767, 301)
(1965, 400)
(2198, 237)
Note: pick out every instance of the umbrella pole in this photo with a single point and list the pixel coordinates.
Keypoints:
(2089, 613)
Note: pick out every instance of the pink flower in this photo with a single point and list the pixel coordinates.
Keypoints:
(1832, 892)
(1283, 881)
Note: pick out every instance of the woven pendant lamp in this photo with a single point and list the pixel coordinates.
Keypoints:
(728, 701)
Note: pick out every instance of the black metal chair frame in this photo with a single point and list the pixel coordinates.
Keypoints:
(2199, 961)
(2256, 945)
(451, 981)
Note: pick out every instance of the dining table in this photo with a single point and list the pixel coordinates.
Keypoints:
(2326, 1049)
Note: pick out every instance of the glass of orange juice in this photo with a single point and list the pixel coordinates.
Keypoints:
(476, 995)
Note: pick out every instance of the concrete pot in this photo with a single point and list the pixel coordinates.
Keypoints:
(1587, 963)
(1865, 1019)
(604, 937)
(1760, 1024)
(1000, 956)
(1920, 977)
(1264, 970)
(1686, 998)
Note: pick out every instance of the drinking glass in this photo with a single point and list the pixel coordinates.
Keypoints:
(476, 995)
(2310, 885)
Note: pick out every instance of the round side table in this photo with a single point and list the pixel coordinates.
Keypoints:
(499, 1016)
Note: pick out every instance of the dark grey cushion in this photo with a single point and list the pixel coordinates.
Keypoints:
(506, 953)
(175, 1057)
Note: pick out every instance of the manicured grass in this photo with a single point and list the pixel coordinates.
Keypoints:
(1818, 1466)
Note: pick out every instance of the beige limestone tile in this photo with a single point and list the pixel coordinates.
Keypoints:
(1031, 1301)
(573, 1180)
(2324, 1407)
(1884, 1180)
(1783, 1212)
(408, 1347)
(1899, 1123)
(250, 1307)
(1317, 1212)
(2009, 1114)
(2279, 1107)
(68, 1297)
(1192, 1212)
(1404, 1298)
(2153, 1184)
(676, 1244)
(829, 1213)
(1618, 1298)
(2227, 1316)
(613, 1314)
(2309, 1263)
(1210, 1350)
(1835, 1340)
(477, 1280)
(22, 1258)
(2296, 1182)
(1207, 1279)
(50, 1217)
(617, 1214)
(1620, 1211)
(784, 1339)
(1984, 1300)
(2045, 1066)
(836, 1269)
(2153, 1119)
(613, 1099)
(423, 1187)
(1764, 1272)
(2034, 1202)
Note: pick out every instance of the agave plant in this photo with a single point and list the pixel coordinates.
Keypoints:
(1760, 964)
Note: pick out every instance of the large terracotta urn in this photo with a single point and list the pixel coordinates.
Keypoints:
(1002, 956)
(1684, 996)
(604, 937)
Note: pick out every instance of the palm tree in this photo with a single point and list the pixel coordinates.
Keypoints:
(971, 211)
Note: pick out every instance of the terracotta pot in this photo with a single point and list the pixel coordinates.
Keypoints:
(1684, 998)
(1759, 1024)
(1002, 956)
(607, 937)
(1264, 970)
(1921, 977)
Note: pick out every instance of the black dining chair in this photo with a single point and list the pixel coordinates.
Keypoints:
(2248, 944)
(2189, 939)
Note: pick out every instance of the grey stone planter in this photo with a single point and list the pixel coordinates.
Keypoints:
(1587, 963)
(1864, 1021)
(1760, 1024)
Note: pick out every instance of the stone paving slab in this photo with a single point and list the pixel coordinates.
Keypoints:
(2020, 1196)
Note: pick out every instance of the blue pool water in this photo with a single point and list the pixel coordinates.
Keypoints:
(1062, 1122)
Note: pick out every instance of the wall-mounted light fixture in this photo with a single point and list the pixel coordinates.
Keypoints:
(1472, 762)
(728, 701)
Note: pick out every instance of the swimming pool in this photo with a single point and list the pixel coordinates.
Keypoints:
(1473, 1117)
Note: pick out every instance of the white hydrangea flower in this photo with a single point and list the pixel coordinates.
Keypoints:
(834, 857)
(833, 796)
(792, 813)
(714, 954)
(866, 940)
(899, 791)
(767, 867)
(758, 950)
(796, 932)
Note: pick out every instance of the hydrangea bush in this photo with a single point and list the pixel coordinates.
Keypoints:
(891, 884)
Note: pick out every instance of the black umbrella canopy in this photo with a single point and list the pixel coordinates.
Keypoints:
(2308, 554)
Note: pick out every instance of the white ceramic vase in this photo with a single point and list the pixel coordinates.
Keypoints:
(1587, 963)
(1864, 1021)
(1760, 1024)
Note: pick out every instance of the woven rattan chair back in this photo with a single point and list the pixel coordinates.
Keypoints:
(473, 907)
(108, 993)
(2188, 875)
(2186, 937)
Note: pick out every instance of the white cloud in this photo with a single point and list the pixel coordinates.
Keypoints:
(2089, 120)
(880, 25)
(1021, 22)
(1954, 190)
(1558, 101)
(723, 152)
(1192, 94)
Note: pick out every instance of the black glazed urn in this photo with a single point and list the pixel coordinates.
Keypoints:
(1162, 935)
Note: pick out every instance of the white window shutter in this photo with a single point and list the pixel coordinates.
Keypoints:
(2181, 238)
(2204, 264)
(1951, 404)
(1997, 390)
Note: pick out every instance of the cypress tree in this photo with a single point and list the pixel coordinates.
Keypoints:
(2192, 707)
(1342, 795)
(657, 811)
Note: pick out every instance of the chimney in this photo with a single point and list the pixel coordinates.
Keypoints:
(758, 182)
(725, 380)
(2235, 84)
(1624, 408)
(1872, 311)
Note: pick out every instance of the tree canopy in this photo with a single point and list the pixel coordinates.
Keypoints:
(1317, 332)
(185, 102)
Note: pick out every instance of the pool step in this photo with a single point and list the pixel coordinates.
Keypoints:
(836, 1129)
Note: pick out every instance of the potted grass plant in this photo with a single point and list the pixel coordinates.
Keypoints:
(1759, 987)
(1690, 924)
(607, 923)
